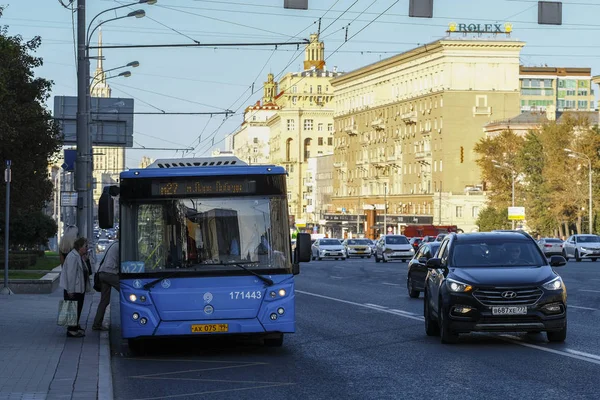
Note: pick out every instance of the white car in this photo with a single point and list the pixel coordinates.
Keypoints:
(357, 248)
(551, 246)
(328, 248)
(582, 246)
(393, 247)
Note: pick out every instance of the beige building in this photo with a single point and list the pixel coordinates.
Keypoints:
(108, 161)
(405, 127)
(145, 162)
(532, 120)
(299, 124)
(564, 88)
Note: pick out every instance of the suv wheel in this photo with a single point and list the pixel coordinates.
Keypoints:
(577, 258)
(448, 337)
(432, 327)
(564, 254)
(557, 336)
(411, 291)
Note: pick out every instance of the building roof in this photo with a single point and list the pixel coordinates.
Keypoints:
(535, 118)
(557, 71)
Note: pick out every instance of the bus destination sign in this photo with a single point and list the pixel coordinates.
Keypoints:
(203, 187)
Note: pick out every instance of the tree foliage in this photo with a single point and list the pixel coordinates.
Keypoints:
(551, 185)
(28, 134)
(491, 218)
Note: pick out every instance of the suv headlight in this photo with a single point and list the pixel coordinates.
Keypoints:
(554, 284)
(458, 287)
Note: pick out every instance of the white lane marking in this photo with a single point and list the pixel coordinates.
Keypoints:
(391, 284)
(375, 305)
(579, 355)
(336, 277)
(589, 290)
(403, 312)
(583, 308)
(591, 358)
(594, 279)
(372, 307)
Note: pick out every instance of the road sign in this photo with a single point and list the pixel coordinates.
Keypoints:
(111, 120)
(516, 213)
(68, 199)
(70, 156)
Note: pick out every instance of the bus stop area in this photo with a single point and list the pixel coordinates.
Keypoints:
(40, 362)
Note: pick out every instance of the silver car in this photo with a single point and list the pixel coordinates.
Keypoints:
(328, 248)
(551, 246)
(582, 246)
(393, 247)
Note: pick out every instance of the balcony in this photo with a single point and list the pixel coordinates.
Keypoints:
(378, 124)
(419, 155)
(351, 130)
(360, 162)
(425, 132)
(409, 117)
(337, 164)
(392, 157)
(482, 110)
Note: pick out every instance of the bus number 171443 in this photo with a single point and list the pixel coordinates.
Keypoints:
(245, 295)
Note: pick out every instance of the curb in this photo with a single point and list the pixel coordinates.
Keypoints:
(105, 384)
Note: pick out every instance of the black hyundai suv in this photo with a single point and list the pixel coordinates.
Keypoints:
(494, 282)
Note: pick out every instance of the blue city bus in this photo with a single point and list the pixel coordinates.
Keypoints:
(205, 250)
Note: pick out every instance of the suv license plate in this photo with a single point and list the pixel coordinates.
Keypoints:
(521, 310)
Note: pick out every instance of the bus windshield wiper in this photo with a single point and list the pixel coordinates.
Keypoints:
(151, 284)
(266, 280)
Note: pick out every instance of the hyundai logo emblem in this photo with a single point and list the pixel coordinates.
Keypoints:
(509, 295)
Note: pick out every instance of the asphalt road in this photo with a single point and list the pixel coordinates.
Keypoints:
(359, 336)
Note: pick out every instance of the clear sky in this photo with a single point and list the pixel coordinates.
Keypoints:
(209, 79)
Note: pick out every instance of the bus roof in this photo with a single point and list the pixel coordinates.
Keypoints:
(207, 166)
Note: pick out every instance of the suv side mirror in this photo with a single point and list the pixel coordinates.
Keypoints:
(557, 261)
(434, 263)
(303, 248)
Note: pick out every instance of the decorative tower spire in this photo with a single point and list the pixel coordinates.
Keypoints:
(314, 55)
(99, 86)
(270, 89)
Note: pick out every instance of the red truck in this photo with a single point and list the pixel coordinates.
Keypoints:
(427, 230)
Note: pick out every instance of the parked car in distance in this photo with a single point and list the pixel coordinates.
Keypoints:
(494, 282)
(440, 237)
(551, 246)
(582, 246)
(393, 247)
(415, 242)
(428, 239)
(357, 248)
(372, 245)
(417, 268)
(328, 248)
(102, 245)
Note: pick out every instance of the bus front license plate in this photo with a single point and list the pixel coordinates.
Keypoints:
(210, 328)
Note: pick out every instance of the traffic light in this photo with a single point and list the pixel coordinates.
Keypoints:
(462, 154)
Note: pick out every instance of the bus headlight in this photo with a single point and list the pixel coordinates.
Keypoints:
(273, 316)
(282, 292)
(280, 311)
(135, 316)
(132, 298)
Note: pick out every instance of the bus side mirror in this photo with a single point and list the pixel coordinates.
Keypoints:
(106, 210)
(303, 247)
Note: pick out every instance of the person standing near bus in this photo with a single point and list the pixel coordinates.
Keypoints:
(73, 279)
(108, 274)
(66, 242)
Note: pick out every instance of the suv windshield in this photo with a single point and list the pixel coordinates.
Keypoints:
(396, 240)
(330, 242)
(496, 253)
(588, 239)
(353, 242)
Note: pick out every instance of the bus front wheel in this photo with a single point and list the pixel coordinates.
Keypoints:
(274, 341)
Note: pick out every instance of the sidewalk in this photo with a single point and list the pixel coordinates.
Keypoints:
(40, 362)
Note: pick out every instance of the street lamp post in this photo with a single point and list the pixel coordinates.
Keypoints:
(84, 142)
(574, 154)
(513, 176)
(385, 208)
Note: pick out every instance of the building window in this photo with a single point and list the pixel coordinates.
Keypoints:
(330, 141)
(330, 127)
(308, 124)
(582, 105)
(294, 100)
(319, 89)
(440, 165)
(320, 127)
(320, 140)
(582, 92)
(459, 210)
(294, 89)
(307, 142)
(288, 149)
(255, 140)
(291, 124)
(474, 211)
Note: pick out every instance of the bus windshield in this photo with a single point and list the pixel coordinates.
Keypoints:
(205, 234)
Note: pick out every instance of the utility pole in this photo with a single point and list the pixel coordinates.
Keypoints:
(513, 196)
(440, 210)
(83, 139)
(358, 216)
(385, 208)
(7, 179)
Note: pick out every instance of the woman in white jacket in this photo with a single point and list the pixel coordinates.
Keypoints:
(74, 280)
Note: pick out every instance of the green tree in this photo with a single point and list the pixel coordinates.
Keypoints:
(491, 218)
(28, 134)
